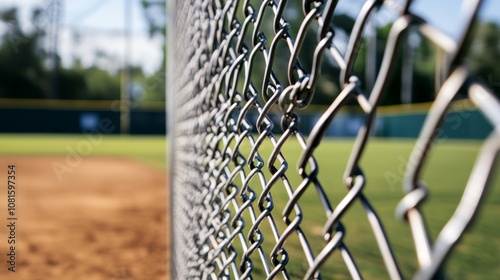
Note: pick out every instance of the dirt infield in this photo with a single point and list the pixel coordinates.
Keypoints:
(106, 219)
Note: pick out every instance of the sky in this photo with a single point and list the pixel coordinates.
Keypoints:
(447, 15)
(88, 26)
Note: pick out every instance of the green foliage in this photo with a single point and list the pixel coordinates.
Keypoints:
(485, 54)
(155, 14)
(102, 85)
(72, 84)
(154, 86)
(24, 72)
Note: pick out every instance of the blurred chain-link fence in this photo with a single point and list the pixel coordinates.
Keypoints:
(239, 183)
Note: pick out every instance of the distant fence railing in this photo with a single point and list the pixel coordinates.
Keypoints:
(77, 116)
(397, 121)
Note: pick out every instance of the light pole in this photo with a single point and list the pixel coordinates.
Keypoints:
(125, 74)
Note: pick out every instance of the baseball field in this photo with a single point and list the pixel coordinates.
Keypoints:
(95, 207)
(86, 207)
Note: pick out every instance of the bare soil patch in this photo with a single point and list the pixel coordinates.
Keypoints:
(105, 220)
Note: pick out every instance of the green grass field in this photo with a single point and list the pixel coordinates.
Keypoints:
(148, 149)
(447, 171)
(384, 162)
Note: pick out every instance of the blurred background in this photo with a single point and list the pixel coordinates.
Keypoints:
(88, 59)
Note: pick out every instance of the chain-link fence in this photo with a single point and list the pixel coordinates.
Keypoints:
(243, 182)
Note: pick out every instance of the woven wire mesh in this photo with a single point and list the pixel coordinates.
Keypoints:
(230, 171)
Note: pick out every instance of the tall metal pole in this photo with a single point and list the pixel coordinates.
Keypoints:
(125, 74)
(371, 57)
(54, 23)
(412, 42)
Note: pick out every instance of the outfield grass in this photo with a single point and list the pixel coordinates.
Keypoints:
(384, 162)
(446, 173)
(148, 149)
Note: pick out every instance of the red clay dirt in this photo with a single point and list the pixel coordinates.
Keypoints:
(106, 219)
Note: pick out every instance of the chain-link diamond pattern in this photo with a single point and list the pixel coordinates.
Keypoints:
(224, 179)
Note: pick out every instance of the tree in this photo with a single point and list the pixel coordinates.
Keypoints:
(22, 74)
(155, 14)
(485, 54)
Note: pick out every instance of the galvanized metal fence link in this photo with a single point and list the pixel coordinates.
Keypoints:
(223, 179)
